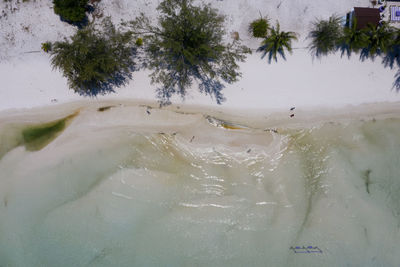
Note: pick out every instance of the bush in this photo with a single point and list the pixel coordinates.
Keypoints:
(72, 11)
(95, 61)
(325, 36)
(259, 28)
(46, 47)
(139, 42)
(187, 46)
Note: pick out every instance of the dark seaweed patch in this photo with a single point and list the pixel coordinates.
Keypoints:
(104, 108)
(38, 136)
(367, 179)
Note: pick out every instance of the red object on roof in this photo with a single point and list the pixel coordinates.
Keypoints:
(366, 15)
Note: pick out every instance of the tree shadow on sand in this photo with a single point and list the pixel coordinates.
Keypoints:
(84, 22)
(206, 85)
(80, 24)
(392, 60)
(116, 80)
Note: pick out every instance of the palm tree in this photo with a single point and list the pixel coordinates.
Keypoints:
(378, 40)
(352, 40)
(276, 43)
(325, 36)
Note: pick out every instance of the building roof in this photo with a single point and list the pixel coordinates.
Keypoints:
(366, 15)
(395, 13)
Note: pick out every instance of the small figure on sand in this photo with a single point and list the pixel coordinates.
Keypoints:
(291, 109)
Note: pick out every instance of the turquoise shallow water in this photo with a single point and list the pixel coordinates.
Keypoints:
(184, 190)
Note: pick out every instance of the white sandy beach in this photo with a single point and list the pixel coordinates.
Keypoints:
(28, 79)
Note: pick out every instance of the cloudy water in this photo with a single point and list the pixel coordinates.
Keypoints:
(159, 188)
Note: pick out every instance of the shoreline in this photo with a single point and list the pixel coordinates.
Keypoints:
(145, 110)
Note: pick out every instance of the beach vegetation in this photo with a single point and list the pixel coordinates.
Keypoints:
(95, 59)
(352, 39)
(186, 46)
(276, 43)
(46, 47)
(259, 27)
(139, 41)
(71, 11)
(383, 40)
(325, 36)
(378, 40)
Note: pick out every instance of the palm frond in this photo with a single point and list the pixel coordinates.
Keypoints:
(276, 44)
(324, 36)
(378, 41)
(352, 40)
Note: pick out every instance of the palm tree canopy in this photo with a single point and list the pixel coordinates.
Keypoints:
(276, 43)
(378, 40)
(352, 40)
(324, 36)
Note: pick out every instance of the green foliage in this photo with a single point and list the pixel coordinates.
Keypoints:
(325, 36)
(352, 39)
(383, 40)
(276, 43)
(378, 40)
(72, 11)
(259, 28)
(95, 60)
(187, 46)
(328, 35)
(139, 41)
(46, 47)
